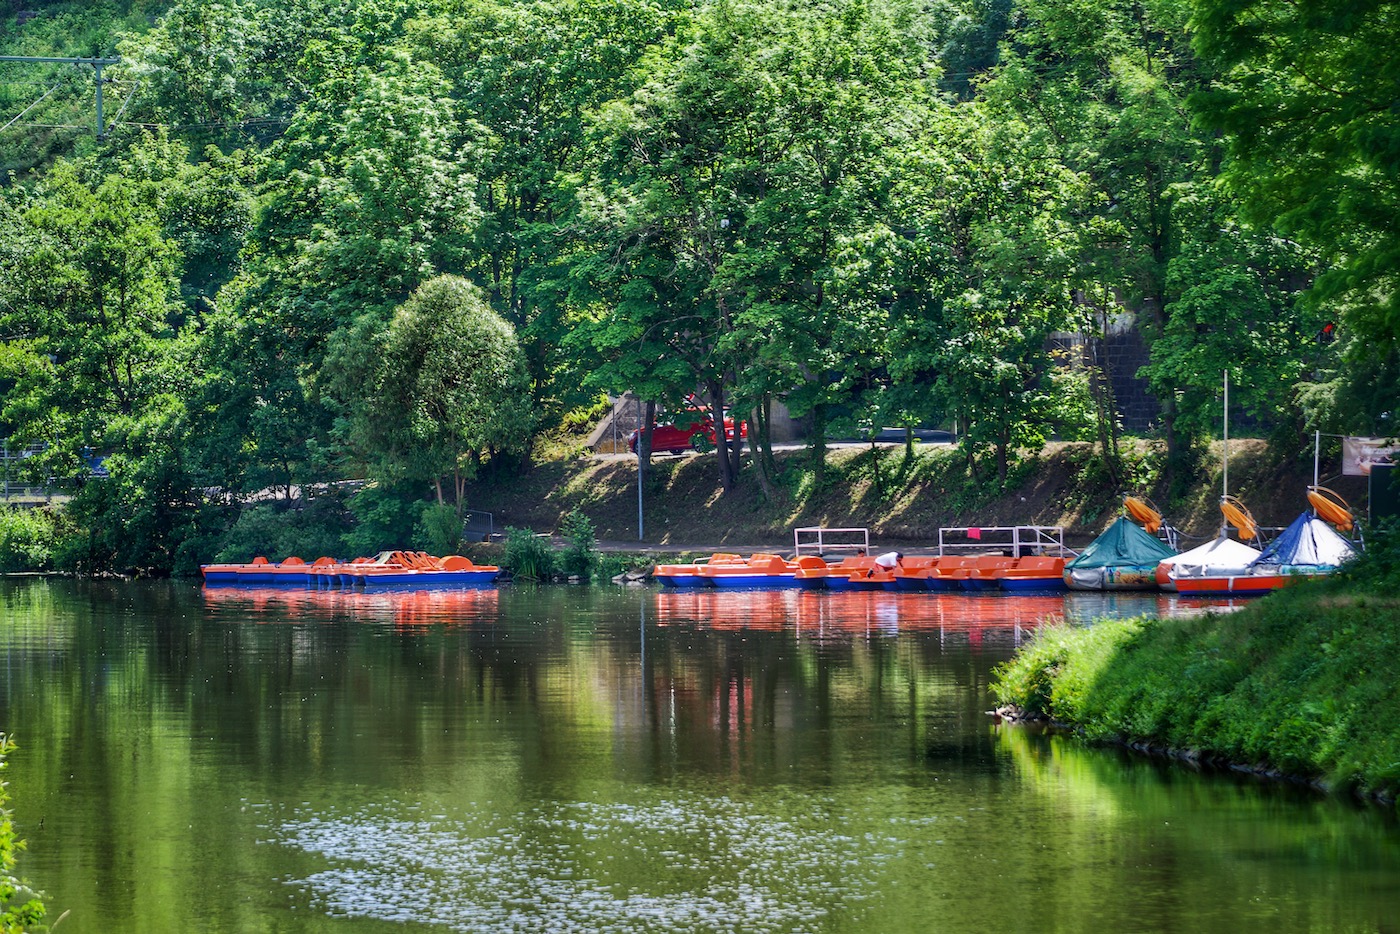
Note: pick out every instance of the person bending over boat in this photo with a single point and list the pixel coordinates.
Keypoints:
(890, 560)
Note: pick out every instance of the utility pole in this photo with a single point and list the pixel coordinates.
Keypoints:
(97, 65)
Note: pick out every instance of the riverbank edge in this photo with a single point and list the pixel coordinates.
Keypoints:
(1292, 688)
(1013, 716)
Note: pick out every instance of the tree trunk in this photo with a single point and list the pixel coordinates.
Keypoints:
(1101, 394)
(736, 448)
(459, 484)
(761, 448)
(715, 391)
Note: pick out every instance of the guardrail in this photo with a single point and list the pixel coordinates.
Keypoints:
(819, 541)
(1020, 539)
(23, 496)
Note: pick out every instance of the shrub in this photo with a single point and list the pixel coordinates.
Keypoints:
(580, 557)
(527, 555)
(15, 915)
(385, 519)
(276, 531)
(27, 539)
(1378, 567)
(612, 565)
(439, 529)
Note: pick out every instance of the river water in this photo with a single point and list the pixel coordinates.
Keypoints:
(603, 759)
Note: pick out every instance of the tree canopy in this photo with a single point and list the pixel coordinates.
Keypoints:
(391, 240)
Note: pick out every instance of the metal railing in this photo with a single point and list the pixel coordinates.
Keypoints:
(818, 541)
(1020, 539)
(20, 492)
(478, 526)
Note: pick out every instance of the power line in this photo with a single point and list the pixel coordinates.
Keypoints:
(97, 65)
(118, 118)
(29, 108)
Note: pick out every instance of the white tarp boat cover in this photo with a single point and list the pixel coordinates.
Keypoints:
(1217, 557)
(1307, 542)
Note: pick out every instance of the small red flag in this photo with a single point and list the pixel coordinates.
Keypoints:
(974, 534)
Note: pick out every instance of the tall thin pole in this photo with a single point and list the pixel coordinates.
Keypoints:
(1317, 453)
(1226, 473)
(101, 126)
(96, 64)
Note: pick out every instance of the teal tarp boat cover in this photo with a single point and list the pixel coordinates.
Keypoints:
(1307, 542)
(1123, 544)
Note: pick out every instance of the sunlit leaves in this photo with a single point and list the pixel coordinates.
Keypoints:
(445, 383)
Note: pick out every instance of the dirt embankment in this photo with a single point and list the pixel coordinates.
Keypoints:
(902, 501)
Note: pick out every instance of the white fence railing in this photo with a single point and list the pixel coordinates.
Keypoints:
(815, 540)
(1019, 539)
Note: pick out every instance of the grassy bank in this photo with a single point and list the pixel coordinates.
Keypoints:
(902, 497)
(1304, 682)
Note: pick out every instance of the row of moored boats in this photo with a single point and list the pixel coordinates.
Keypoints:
(862, 572)
(389, 569)
(1125, 557)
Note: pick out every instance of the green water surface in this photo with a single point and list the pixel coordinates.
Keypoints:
(602, 759)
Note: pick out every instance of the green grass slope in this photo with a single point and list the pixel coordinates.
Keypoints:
(1304, 682)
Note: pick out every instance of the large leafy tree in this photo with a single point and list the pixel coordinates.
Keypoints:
(530, 73)
(446, 386)
(1306, 100)
(370, 194)
(95, 359)
(90, 284)
(1107, 83)
(993, 242)
(739, 197)
(367, 196)
(1236, 305)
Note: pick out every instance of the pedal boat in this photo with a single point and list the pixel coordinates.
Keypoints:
(687, 576)
(759, 571)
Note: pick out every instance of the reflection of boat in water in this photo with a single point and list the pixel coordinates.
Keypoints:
(404, 608)
(883, 612)
(726, 609)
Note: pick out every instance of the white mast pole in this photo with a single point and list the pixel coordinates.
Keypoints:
(1225, 491)
(1317, 453)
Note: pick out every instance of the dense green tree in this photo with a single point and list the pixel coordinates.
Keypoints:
(90, 284)
(447, 386)
(370, 194)
(739, 197)
(993, 240)
(1305, 98)
(530, 73)
(1236, 305)
(1107, 83)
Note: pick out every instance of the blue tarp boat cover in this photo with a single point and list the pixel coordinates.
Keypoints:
(1123, 544)
(1307, 542)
